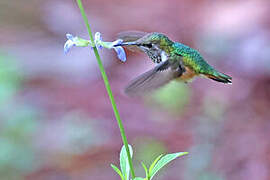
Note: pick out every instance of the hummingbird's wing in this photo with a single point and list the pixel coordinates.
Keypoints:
(130, 36)
(154, 78)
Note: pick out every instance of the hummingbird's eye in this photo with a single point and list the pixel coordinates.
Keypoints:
(148, 45)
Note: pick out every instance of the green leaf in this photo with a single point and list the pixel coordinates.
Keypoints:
(124, 165)
(146, 170)
(154, 163)
(118, 171)
(139, 178)
(165, 160)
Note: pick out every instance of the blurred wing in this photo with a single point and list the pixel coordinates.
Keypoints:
(130, 36)
(153, 79)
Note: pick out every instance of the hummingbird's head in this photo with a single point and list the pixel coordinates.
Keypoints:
(155, 45)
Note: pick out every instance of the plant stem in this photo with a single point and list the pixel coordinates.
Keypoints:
(108, 88)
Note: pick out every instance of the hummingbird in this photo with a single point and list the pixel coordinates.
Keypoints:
(174, 61)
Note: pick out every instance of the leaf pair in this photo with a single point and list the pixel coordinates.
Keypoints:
(124, 165)
(158, 163)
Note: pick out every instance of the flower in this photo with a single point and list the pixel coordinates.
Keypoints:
(69, 43)
(98, 42)
(75, 41)
(98, 39)
(118, 49)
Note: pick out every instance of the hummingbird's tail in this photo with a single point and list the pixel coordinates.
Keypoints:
(220, 77)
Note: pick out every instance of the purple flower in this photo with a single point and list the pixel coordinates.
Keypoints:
(98, 39)
(75, 41)
(69, 43)
(99, 43)
(118, 49)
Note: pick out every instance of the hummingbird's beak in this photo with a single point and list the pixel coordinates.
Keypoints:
(126, 44)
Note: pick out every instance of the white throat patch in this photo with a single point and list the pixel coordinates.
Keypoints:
(164, 57)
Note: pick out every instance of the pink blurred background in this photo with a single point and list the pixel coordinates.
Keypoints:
(56, 121)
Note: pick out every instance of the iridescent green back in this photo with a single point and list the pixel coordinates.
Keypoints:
(193, 59)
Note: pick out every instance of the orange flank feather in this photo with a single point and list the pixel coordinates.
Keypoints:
(187, 75)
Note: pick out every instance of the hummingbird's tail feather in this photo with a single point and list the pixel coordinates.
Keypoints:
(220, 77)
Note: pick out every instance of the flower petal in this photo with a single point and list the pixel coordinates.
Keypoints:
(99, 46)
(69, 36)
(98, 36)
(98, 40)
(117, 42)
(120, 53)
(68, 45)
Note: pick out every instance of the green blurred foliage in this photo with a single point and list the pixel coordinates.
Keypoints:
(10, 78)
(18, 124)
(147, 149)
(173, 97)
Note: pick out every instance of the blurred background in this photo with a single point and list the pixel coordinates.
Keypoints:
(56, 121)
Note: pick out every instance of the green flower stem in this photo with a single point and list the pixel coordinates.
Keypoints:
(108, 88)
